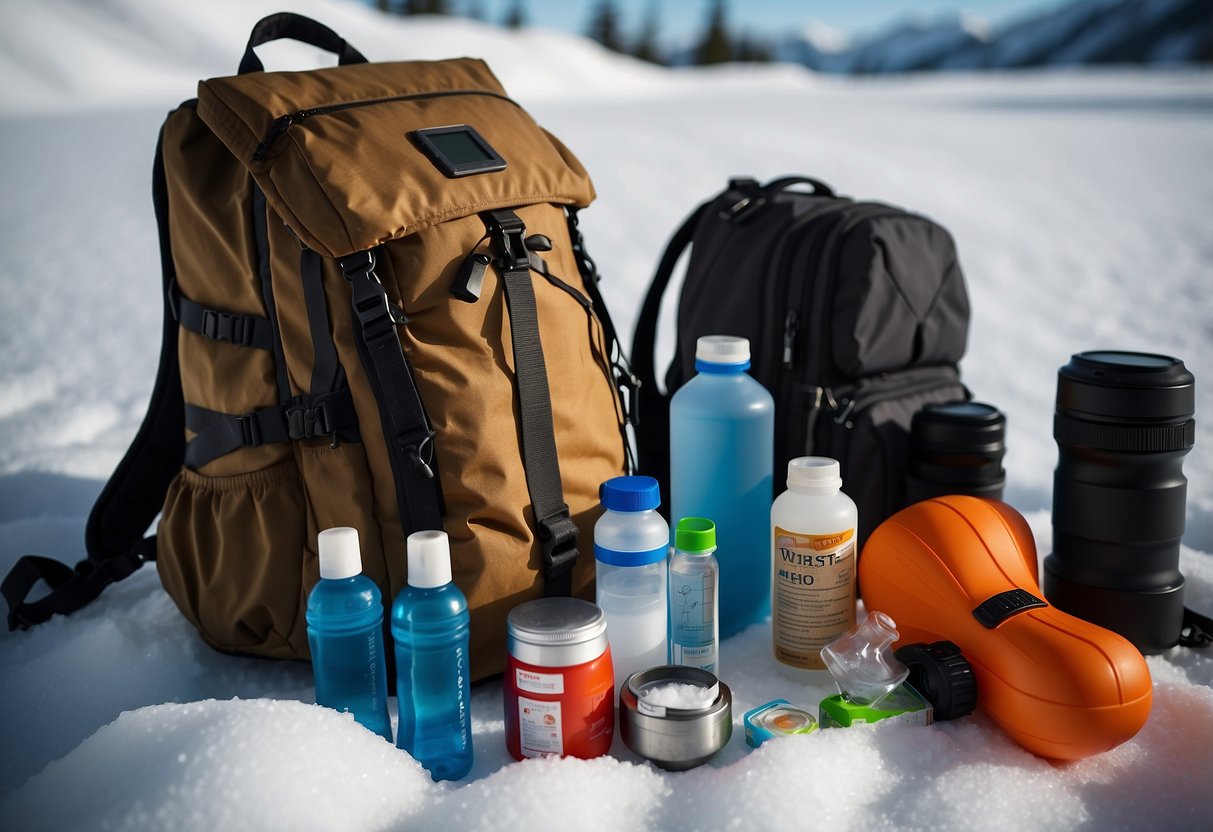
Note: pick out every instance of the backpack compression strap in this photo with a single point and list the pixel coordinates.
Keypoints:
(406, 427)
(134, 493)
(556, 529)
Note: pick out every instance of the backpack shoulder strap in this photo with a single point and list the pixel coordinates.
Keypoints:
(653, 426)
(135, 491)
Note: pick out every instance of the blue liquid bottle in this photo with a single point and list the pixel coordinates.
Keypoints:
(722, 439)
(430, 626)
(345, 634)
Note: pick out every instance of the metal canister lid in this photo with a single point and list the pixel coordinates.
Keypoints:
(556, 632)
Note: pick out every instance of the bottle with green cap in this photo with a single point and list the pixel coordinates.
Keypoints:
(694, 595)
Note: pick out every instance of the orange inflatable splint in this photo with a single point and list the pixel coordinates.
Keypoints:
(964, 569)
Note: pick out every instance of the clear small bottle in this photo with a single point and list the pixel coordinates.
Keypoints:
(813, 567)
(694, 596)
(631, 544)
(430, 627)
(345, 634)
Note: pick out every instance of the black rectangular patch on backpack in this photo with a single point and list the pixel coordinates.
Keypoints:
(856, 313)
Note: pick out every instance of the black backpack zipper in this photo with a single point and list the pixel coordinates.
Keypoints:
(281, 124)
(790, 242)
(809, 306)
(855, 399)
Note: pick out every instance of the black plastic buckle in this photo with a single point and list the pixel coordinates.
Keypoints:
(250, 430)
(222, 326)
(509, 233)
(308, 422)
(558, 536)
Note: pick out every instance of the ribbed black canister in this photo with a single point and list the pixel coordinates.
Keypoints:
(1124, 423)
(956, 448)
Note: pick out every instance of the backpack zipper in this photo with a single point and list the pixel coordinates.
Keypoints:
(855, 400)
(281, 124)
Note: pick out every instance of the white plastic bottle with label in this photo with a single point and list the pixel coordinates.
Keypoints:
(813, 568)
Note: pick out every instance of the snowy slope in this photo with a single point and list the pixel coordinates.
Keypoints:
(1080, 204)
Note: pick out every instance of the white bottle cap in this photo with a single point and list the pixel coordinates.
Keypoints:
(429, 559)
(722, 349)
(339, 553)
(819, 473)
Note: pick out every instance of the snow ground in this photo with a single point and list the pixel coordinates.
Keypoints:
(1080, 203)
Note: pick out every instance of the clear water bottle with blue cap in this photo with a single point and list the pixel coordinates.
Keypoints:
(630, 546)
(345, 634)
(722, 438)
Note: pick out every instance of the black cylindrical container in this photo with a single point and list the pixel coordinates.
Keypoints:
(956, 448)
(1123, 426)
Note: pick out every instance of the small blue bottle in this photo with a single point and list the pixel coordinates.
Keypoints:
(345, 634)
(430, 626)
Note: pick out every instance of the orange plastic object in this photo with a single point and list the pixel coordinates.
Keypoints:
(1059, 686)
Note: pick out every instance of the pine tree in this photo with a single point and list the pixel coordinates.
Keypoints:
(425, 7)
(646, 48)
(715, 47)
(752, 50)
(515, 18)
(604, 26)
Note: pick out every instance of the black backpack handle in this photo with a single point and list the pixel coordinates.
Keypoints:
(300, 28)
(784, 182)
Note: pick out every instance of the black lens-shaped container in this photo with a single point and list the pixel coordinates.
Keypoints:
(956, 448)
(1123, 425)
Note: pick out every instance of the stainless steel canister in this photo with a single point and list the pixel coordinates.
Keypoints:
(675, 738)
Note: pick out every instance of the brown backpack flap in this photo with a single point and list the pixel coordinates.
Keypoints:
(332, 149)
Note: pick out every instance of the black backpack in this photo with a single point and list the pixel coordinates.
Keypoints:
(856, 312)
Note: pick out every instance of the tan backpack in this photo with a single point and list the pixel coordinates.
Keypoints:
(379, 315)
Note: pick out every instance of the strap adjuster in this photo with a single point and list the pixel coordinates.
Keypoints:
(558, 536)
(223, 326)
(250, 430)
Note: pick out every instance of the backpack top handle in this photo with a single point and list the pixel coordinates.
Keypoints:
(300, 28)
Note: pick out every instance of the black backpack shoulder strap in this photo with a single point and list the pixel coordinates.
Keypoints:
(653, 428)
(114, 535)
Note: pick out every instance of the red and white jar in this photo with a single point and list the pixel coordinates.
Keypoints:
(559, 686)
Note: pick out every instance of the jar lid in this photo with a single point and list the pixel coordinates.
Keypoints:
(559, 632)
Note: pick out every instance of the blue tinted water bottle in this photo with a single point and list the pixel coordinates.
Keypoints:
(430, 626)
(345, 634)
(722, 435)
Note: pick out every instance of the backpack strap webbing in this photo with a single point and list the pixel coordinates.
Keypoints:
(133, 496)
(626, 381)
(653, 430)
(406, 427)
(220, 325)
(556, 529)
